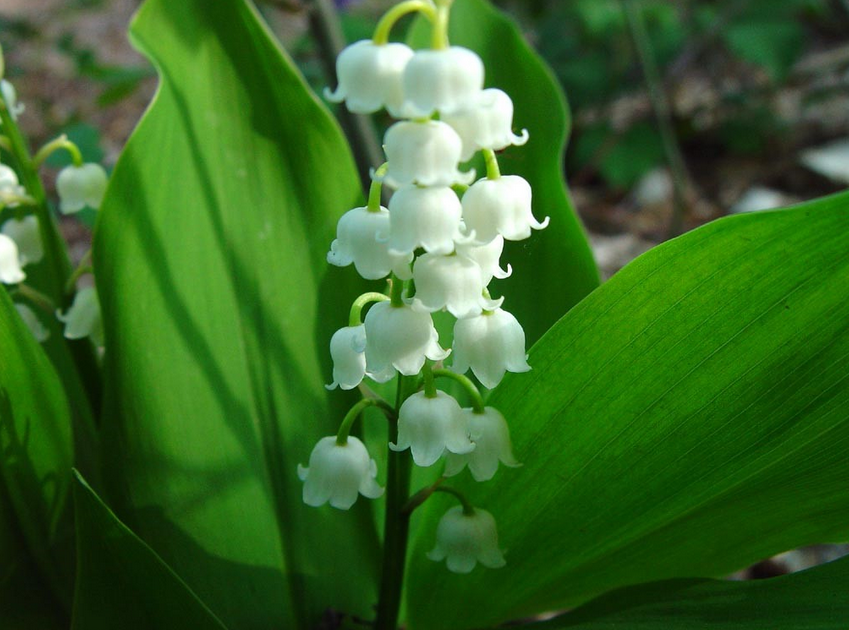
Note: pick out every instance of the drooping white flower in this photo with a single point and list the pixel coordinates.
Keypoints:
(500, 206)
(451, 282)
(370, 77)
(463, 540)
(38, 330)
(81, 186)
(491, 435)
(443, 80)
(399, 337)
(425, 153)
(10, 189)
(347, 348)
(27, 237)
(83, 317)
(487, 257)
(491, 344)
(424, 217)
(488, 124)
(357, 241)
(338, 474)
(10, 96)
(430, 426)
(10, 263)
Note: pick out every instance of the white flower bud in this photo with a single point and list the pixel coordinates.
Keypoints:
(488, 124)
(489, 432)
(370, 77)
(442, 80)
(83, 318)
(357, 241)
(10, 263)
(338, 474)
(424, 217)
(424, 153)
(81, 186)
(347, 348)
(400, 337)
(38, 330)
(487, 257)
(10, 189)
(500, 206)
(463, 540)
(27, 237)
(490, 344)
(430, 426)
(451, 282)
(10, 96)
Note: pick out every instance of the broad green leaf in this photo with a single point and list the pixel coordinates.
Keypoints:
(558, 257)
(689, 417)
(36, 452)
(121, 582)
(816, 599)
(218, 311)
(25, 600)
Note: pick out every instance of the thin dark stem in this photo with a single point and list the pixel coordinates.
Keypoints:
(327, 32)
(660, 104)
(396, 524)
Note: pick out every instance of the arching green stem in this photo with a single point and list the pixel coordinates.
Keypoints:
(37, 297)
(376, 188)
(439, 35)
(61, 142)
(427, 375)
(468, 509)
(354, 413)
(83, 268)
(466, 382)
(492, 170)
(356, 316)
(384, 26)
(396, 292)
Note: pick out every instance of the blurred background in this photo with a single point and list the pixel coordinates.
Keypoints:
(683, 111)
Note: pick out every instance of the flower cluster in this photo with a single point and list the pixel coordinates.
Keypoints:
(440, 241)
(79, 185)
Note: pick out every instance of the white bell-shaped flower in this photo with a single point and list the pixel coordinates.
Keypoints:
(370, 77)
(429, 218)
(444, 80)
(347, 349)
(491, 435)
(10, 189)
(430, 426)
(500, 206)
(463, 540)
(425, 153)
(491, 344)
(83, 318)
(487, 257)
(10, 263)
(488, 124)
(38, 330)
(81, 186)
(357, 242)
(10, 96)
(451, 282)
(338, 474)
(27, 237)
(399, 337)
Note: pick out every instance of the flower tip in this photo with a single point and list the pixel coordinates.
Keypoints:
(330, 387)
(303, 471)
(542, 225)
(334, 96)
(521, 139)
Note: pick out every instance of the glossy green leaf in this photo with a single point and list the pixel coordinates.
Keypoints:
(816, 599)
(558, 257)
(689, 417)
(218, 310)
(36, 452)
(121, 582)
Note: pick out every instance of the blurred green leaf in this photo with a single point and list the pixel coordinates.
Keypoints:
(36, 452)
(816, 599)
(558, 257)
(771, 43)
(631, 155)
(218, 307)
(87, 139)
(121, 582)
(688, 418)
